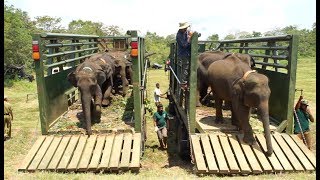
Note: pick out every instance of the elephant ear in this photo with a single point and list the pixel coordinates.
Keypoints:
(101, 77)
(72, 78)
(237, 90)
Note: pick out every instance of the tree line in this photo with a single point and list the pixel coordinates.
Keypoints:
(18, 30)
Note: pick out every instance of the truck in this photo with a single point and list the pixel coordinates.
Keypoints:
(63, 146)
(219, 149)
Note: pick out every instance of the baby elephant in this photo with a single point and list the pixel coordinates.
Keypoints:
(94, 79)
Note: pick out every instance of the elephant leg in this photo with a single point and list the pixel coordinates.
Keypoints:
(107, 93)
(198, 104)
(244, 115)
(124, 80)
(218, 105)
(234, 119)
(97, 104)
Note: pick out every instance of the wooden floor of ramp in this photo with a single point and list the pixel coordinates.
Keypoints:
(102, 152)
(228, 154)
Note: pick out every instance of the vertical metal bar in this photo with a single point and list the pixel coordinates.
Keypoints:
(136, 85)
(292, 69)
(42, 91)
(193, 82)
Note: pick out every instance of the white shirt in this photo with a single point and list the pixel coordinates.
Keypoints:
(157, 93)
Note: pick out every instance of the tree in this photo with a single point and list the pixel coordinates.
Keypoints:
(86, 27)
(213, 37)
(112, 31)
(256, 34)
(48, 24)
(17, 37)
(229, 37)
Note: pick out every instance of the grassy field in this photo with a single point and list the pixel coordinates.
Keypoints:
(156, 164)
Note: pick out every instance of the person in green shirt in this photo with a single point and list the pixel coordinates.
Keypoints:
(302, 112)
(161, 124)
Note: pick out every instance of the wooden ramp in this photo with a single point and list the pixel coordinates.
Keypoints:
(228, 154)
(79, 153)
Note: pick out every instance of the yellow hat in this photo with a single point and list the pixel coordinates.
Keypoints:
(183, 25)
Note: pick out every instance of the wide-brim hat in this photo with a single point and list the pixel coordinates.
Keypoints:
(183, 25)
(305, 102)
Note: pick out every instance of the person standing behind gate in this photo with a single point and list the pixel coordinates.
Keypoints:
(304, 115)
(8, 117)
(184, 52)
(161, 124)
(158, 94)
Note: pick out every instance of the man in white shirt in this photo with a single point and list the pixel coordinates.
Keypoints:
(157, 94)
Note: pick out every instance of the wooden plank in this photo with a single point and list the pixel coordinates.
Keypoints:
(282, 158)
(43, 149)
(87, 153)
(136, 150)
(234, 168)
(57, 156)
(49, 155)
(211, 162)
(77, 153)
(297, 151)
(68, 153)
(249, 154)
(198, 155)
(116, 152)
(273, 158)
(126, 151)
(305, 150)
(104, 164)
(97, 153)
(266, 167)
(244, 167)
(289, 154)
(222, 162)
(32, 152)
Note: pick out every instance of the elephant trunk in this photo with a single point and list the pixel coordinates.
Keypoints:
(86, 107)
(263, 111)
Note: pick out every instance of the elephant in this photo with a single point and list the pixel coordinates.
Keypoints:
(233, 80)
(94, 79)
(123, 71)
(204, 61)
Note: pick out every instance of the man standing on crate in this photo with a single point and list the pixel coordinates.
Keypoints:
(184, 52)
(301, 121)
(8, 117)
(161, 124)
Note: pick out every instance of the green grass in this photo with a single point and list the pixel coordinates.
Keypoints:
(156, 164)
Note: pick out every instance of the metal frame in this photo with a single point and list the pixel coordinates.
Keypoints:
(281, 73)
(66, 51)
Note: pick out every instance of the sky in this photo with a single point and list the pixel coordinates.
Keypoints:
(163, 16)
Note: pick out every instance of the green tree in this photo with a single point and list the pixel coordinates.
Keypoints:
(213, 37)
(229, 37)
(256, 34)
(159, 45)
(17, 37)
(48, 24)
(86, 27)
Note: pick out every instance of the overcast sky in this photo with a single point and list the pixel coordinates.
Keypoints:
(163, 16)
